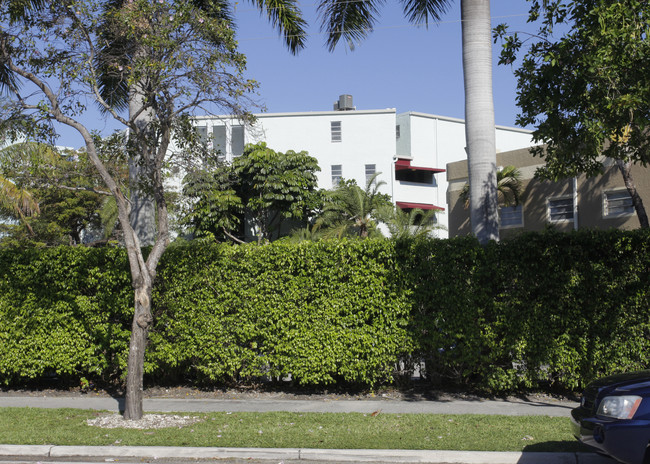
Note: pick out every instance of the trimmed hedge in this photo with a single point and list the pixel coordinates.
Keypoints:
(320, 312)
(536, 311)
(65, 311)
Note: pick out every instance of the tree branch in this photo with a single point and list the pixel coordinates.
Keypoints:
(85, 189)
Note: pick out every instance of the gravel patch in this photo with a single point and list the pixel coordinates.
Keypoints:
(148, 421)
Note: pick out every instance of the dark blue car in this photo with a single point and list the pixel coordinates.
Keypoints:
(614, 417)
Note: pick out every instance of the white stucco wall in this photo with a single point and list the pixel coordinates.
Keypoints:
(432, 142)
(369, 137)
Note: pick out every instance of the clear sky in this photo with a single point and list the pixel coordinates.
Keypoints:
(400, 65)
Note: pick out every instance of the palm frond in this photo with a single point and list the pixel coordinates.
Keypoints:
(20, 10)
(8, 80)
(413, 223)
(285, 15)
(108, 216)
(350, 20)
(508, 187)
(16, 200)
(420, 11)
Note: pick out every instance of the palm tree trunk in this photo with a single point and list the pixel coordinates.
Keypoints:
(143, 215)
(479, 119)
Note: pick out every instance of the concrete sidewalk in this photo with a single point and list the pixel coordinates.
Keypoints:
(501, 407)
(550, 408)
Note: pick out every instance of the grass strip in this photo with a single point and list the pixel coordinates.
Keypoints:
(32, 426)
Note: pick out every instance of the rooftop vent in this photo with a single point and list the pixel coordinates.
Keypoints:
(344, 103)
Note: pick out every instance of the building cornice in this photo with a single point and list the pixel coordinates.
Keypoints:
(462, 121)
(303, 114)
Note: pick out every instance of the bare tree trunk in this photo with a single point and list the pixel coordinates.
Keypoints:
(142, 320)
(625, 168)
(479, 119)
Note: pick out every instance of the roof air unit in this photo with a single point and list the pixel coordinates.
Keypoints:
(344, 103)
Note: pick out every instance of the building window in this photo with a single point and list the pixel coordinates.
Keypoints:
(618, 203)
(337, 174)
(511, 216)
(237, 140)
(397, 131)
(219, 141)
(560, 209)
(415, 176)
(203, 133)
(371, 169)
(336, 131)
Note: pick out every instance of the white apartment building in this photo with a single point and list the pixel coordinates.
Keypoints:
(409, 150)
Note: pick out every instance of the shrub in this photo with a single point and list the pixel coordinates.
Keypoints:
(538, 311)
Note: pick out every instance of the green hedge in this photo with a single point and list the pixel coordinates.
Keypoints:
(538, 310)
(63, 311)
(321, 312)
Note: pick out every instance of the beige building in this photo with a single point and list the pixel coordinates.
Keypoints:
(600, 202)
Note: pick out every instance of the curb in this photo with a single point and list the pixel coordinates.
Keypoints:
(298, 454)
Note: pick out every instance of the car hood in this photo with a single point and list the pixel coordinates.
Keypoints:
(622, 382)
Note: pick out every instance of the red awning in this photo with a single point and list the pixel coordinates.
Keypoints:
(422, 206)
(402, 163)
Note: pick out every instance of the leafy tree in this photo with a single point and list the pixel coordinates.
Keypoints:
(191, 62)
(353, 20)
(588, 92)
(262, 186)
(213, 207)
(63, 185)
(123, 89)
(508, 187)
(352, 211)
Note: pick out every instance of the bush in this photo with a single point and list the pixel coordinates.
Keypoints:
(320, 312)
(63, 311)
(538, 311)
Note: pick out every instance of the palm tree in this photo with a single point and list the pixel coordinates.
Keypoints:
(479, 119)
(17, 202)
(508, 188)
(353, 211)
(412, 223)
(353, 20)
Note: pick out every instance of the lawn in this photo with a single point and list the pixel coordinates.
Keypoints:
(299, 430)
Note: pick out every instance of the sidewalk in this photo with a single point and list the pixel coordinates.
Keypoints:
(550, 408)
(507, 408)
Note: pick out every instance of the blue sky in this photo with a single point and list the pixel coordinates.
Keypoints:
(398, 66)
